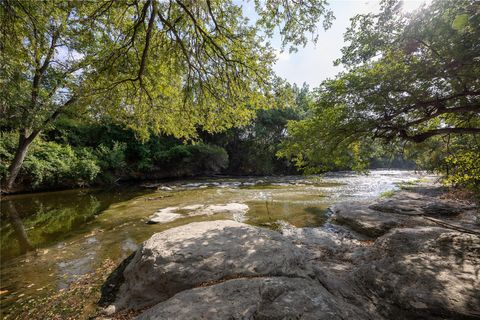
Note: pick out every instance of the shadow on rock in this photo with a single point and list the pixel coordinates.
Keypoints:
(424, 272)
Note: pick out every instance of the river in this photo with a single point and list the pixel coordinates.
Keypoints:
(49, 239)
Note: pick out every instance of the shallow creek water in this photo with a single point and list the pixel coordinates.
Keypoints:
(72, 232)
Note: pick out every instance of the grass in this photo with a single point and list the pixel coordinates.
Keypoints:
(409, 184)
(387, 194)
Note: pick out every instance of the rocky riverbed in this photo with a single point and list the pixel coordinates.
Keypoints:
(415, 255)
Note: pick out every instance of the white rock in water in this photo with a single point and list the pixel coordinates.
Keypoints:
(237, 210)
(164, 215)
(225, 208)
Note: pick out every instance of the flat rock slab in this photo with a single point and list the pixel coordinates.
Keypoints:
(192, 255)
(443, 209)
(168, 214)
(418, 206)
(373, 223)
(255, 298)
(423, 272)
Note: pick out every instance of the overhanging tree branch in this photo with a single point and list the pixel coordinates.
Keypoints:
(420, 137)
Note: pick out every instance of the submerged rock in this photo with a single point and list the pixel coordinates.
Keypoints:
(165, 215)
(237, 210)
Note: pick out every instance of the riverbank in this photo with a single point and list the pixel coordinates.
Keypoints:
(317, 258)
(413, 255)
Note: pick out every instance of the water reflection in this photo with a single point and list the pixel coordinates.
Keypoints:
(18, 228)
(38, 220)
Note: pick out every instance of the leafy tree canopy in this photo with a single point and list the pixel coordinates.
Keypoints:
(408, 77)
(161, 66)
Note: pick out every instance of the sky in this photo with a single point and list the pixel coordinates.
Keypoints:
(314, 63)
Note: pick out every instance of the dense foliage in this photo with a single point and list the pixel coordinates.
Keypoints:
(252, 149)
(82, 152)
(50, 163)
(53, 164)
(410, 79)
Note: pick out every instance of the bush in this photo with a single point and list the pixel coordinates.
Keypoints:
(61, 163)
(86, 168)
(463, 169)
(112, 158)
(49, 163)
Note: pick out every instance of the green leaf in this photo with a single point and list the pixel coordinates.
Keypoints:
(460, 22)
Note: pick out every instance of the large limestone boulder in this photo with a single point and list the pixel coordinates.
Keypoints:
(332, 242)
(202, 253)
(423, 272)
(255, 298)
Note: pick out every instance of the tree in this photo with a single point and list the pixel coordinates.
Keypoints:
(157, 66)
(409, 77)
(252, 148)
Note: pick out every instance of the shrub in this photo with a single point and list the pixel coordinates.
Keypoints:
(112, 158)
(86, 168)
(463, 169)
(50, 163)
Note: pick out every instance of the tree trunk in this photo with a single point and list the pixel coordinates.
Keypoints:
(24, 143)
